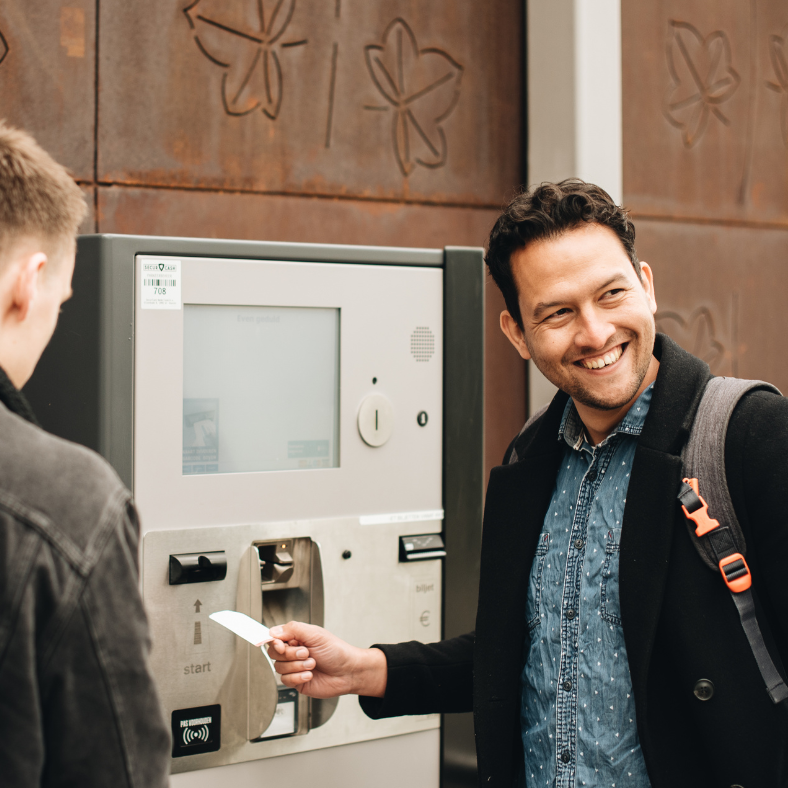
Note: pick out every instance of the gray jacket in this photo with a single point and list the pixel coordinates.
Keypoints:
(78, 705)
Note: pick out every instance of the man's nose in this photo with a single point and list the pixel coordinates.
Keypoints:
(594, 330)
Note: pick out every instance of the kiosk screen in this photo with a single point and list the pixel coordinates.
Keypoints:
(260, 388)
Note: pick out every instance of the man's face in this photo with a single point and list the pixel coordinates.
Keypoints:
(588, 321)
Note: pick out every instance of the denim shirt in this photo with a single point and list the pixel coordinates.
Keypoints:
(578, 714)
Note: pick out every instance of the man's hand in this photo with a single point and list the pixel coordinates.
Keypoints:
(320, 665)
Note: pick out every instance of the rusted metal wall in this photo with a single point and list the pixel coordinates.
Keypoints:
(706, 173)
(392, 122)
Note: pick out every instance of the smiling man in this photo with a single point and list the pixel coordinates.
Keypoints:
(605, 653)
(585, 318)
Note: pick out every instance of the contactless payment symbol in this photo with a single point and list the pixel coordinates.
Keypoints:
(195, 735)
(196, 730)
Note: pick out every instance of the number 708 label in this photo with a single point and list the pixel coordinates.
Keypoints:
(160, 283)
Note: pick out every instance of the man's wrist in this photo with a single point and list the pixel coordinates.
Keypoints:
(371, 673)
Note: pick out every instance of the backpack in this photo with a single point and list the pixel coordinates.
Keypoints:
(719, 541)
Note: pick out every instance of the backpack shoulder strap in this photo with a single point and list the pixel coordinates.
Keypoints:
(704, 460)
(714, 528)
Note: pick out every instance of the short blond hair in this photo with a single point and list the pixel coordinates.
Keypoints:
(38, 197)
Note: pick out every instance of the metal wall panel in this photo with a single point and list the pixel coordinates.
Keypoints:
(706, 173)
(89, 222)
(706, 109)
(391, 99)
(47, 76)
(191, 212)
(721, 294)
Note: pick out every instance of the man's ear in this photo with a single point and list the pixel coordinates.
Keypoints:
(26, 284)
(647, 279)
(514, 334)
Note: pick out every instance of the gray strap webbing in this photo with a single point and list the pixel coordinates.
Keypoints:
(704, 460)
(775, 685)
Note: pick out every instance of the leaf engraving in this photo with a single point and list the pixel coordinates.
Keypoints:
(248, 46)
(703, 79)
(778, 52)
(422, 87)
(695, 333)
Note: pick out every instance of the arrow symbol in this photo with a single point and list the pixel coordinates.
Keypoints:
(197, 606)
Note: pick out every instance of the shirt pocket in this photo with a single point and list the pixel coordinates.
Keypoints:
(534, 603)
(611, 607)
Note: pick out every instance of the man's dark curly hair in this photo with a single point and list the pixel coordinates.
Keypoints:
(547, 211)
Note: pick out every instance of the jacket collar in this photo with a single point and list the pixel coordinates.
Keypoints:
(15, 400)
(677, 393)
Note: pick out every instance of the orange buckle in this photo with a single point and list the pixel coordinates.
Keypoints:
(736, 573)
(703, 523)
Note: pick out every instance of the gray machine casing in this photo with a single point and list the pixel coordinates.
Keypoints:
(369, 597)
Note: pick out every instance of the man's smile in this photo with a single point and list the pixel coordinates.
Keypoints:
(604, 360)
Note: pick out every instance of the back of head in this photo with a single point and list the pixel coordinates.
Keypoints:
(38, 198)
(546, 212)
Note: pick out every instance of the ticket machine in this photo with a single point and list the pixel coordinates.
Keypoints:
(301, 429)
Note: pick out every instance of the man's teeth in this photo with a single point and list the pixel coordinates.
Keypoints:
(603, 361)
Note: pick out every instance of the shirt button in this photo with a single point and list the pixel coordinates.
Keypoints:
(579, 544)
(570, 614)
(591, 475)
(565, 756)
(704, 689)
(567, 685)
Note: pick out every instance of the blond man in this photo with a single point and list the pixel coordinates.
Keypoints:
(77, 701)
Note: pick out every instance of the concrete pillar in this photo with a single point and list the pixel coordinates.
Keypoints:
(574, 106)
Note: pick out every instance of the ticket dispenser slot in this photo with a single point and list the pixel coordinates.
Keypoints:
(287, 584)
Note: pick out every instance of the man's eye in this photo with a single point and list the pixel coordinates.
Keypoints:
(558, 313)
(616, 291)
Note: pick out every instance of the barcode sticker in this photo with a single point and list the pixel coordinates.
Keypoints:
(160, 283)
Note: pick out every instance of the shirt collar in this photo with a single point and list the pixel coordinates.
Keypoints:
(573, 431)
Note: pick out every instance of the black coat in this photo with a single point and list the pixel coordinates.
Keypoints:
(680, 624)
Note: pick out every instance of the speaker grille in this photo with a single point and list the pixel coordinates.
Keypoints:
(422, 343)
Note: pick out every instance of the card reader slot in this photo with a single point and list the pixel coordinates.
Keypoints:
(421, 547)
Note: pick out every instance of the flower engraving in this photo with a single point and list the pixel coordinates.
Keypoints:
(422, 86)
(250, 52)
(778, 51)
(696, 334)
(703, 79)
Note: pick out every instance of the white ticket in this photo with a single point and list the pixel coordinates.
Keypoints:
(243, 626)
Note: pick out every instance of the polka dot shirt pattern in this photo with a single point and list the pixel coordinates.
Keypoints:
(578, 713)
